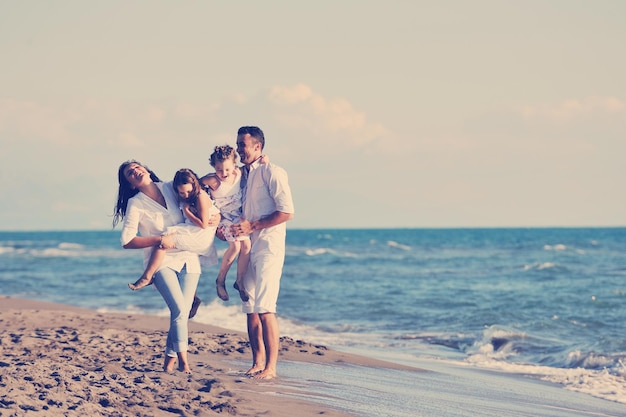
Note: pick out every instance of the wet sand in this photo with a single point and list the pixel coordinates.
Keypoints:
(58, 360)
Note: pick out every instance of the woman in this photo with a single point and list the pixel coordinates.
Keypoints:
(148, 206)
(194, 235)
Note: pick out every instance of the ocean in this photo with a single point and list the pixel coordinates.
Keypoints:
(547, 303)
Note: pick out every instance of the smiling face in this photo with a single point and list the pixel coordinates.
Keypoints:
(136, 175)
(248, 148)
(225, 169)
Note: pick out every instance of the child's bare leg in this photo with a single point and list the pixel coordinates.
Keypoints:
(242, 268)
(156, 258)
(227, 261)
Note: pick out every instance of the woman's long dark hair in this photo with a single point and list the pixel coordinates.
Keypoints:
(125, 191)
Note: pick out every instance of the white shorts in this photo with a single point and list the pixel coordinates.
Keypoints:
(262, 282)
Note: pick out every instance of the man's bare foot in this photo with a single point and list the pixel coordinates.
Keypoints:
(221, 290)
(265, 374)
(194, 306)
(144, 281)
(254, 370)
(168, 365)
(242, 291)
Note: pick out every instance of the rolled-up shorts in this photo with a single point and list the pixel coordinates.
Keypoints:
(262, 282)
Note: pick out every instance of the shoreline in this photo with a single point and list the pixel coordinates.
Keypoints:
(70, 361)
(65, 360)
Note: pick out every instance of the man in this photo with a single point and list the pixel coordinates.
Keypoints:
(267, 205)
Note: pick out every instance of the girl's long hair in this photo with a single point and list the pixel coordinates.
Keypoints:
(125, 192)
(187, 176)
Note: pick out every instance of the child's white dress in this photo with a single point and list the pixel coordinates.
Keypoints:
(227, 198)
(192, 238)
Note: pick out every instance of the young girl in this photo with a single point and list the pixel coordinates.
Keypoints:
(225, 188)
(194, 235)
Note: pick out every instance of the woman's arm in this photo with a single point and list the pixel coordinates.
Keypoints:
(140, 242)
(130, 238)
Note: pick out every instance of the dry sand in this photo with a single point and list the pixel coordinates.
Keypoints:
(59, 360)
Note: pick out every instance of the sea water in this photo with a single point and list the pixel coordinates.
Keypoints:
(544, 302)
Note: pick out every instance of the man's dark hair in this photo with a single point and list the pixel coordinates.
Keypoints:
(253, 131)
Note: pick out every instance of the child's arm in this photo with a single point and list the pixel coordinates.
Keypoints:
(211, 181)
(204, 204)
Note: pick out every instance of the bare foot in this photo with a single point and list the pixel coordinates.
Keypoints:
(144, 281)
(242, 291)
(254, 370)
(185, 368)
(221, 290)
(194, 306)
(265, 374)
(168, 365)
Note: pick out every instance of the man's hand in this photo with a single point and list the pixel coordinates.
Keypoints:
(242, 229)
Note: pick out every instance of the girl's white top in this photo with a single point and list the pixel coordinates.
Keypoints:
(227, 198)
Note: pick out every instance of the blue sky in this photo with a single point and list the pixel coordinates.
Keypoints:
(385, 114)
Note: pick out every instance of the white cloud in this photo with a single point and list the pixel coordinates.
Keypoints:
(572, 109)
(81, 142)
(548, 153)
(21, 119)
(128, 140)
(331, 120)
(293, 110)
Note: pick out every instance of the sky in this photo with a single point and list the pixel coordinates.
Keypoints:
(385, 114)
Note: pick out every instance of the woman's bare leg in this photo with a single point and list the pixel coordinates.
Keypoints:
(227, 261)
(156, 258)
(183, 364)
(168, 364)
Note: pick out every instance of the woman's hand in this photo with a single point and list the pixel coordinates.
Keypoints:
(167, 242)
(214, 220)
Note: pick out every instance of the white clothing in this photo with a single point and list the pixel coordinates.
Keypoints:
(146, 217)
(227, 198)
(192, 238)
(267, 190)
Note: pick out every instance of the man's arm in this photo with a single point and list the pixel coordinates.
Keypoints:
(246, 227)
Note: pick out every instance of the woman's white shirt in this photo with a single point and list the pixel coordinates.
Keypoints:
(146, 217)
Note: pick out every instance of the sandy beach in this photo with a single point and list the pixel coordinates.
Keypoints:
(58, 360)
